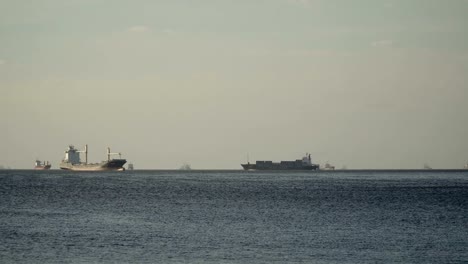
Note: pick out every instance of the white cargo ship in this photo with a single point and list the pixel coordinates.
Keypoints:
(72, 161)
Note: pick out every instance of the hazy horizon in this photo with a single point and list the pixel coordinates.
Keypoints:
(361, 84)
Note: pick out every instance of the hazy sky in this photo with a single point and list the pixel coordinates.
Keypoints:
(362, 83)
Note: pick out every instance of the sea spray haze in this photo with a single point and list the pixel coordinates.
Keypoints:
(233, 217)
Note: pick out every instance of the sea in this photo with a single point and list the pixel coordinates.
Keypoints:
(233, 217)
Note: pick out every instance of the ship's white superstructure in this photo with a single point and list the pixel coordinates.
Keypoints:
(72, 155)
(307, 160)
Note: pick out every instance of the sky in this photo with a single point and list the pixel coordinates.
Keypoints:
(363, 84)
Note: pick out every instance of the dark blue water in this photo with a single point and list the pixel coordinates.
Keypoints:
(233, 217)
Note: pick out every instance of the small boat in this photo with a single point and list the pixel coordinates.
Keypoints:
(185, 166)
(39, 165)
(328, 166)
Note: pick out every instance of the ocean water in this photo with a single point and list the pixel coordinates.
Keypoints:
(233, 217)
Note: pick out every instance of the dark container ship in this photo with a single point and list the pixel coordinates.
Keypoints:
(300, 164)
(72, 161)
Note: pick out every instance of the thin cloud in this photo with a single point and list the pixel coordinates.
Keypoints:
(168, 31)
(382, 43)
(389, 4)
(2, 62)
(139, 29)
(305, 3)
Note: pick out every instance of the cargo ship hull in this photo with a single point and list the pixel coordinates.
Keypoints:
(111, 165)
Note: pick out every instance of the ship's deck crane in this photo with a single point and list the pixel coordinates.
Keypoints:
(114, 153)
(85, 151)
